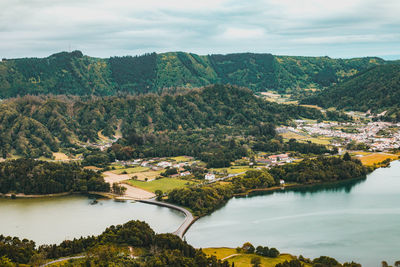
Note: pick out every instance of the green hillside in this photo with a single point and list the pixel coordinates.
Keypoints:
(76, 74)
(377, 89)
(152, 124)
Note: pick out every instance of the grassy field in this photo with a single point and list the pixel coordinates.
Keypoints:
(311, 106)
(181, 159)
(60, 156)
(130, 170)
(220, 253)
(103, 138)
(243, 260)
(163, 184)
(150, 175)
(232, 170)
(292, 135)
(317, 140)
(373, 158)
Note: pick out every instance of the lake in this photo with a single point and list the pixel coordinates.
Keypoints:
(357, 220)
(52, 220)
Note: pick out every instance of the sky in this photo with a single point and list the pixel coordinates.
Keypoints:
(104, 28)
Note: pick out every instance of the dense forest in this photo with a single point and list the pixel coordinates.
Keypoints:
(151, 250)
(321, 169)
(151, 125)
(76, 74)
(30, 176)
(203, 200)
(377, 90)
(106, 249)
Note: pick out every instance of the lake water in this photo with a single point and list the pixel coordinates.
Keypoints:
(358, 220)
(52, 220)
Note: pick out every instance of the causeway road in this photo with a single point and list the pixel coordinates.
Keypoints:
(189, 220)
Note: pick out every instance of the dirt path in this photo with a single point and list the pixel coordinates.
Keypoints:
(131, 192)
(230, 256)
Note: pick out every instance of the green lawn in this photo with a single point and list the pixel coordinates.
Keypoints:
(180, 159)
(131, 170)
(232, 170)
(163, 184)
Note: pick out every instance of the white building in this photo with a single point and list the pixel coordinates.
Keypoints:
(164, 164)
(209, 176)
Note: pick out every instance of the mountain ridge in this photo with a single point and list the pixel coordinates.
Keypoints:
(73, 73)
(375, 90)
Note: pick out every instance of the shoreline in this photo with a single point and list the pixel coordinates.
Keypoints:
(21, 195)
(295, 186)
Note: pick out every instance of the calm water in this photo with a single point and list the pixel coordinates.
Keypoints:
(52, 220)
(357, 221)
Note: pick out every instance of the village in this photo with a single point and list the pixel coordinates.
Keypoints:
(377, 136)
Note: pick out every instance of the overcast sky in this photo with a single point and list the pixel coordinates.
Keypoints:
(103, 28)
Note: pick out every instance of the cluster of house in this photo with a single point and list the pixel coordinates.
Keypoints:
(368, 133)
(275, 159)
(157, 164)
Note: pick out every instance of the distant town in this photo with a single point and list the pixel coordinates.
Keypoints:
(377, 136)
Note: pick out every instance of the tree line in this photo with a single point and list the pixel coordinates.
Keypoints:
(30, 176)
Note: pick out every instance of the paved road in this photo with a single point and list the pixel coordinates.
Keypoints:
(189, 220)
(63, 259)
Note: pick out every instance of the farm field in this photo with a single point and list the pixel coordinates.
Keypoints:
(163, 184)
(243, 260)
(232, 170)
(376, 158)
(317, 140)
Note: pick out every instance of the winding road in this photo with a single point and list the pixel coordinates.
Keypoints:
(189, 220)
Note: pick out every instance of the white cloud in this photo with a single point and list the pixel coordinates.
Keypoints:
(238, 33)
(105, 28)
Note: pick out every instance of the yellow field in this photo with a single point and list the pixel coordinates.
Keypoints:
(94, 168)
(376, 158)
(181, 159)
(319, 140)
(102, 137)
(220, 253)
(311, 106)
(244, 260)
(292, 135)
(60, 156)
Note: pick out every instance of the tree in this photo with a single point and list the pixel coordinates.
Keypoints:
(273, 253)
(248, 248)
(347, 157)
(159, 194)
(256, 261)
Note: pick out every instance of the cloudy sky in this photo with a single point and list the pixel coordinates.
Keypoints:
(103, 28)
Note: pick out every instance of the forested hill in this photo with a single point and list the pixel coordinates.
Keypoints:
(76, 74)
(377, 89)
(34, 126)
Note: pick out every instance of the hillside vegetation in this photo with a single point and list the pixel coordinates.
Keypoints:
(152, 125)
(377, 89)
(39, 177)
(76, 74)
